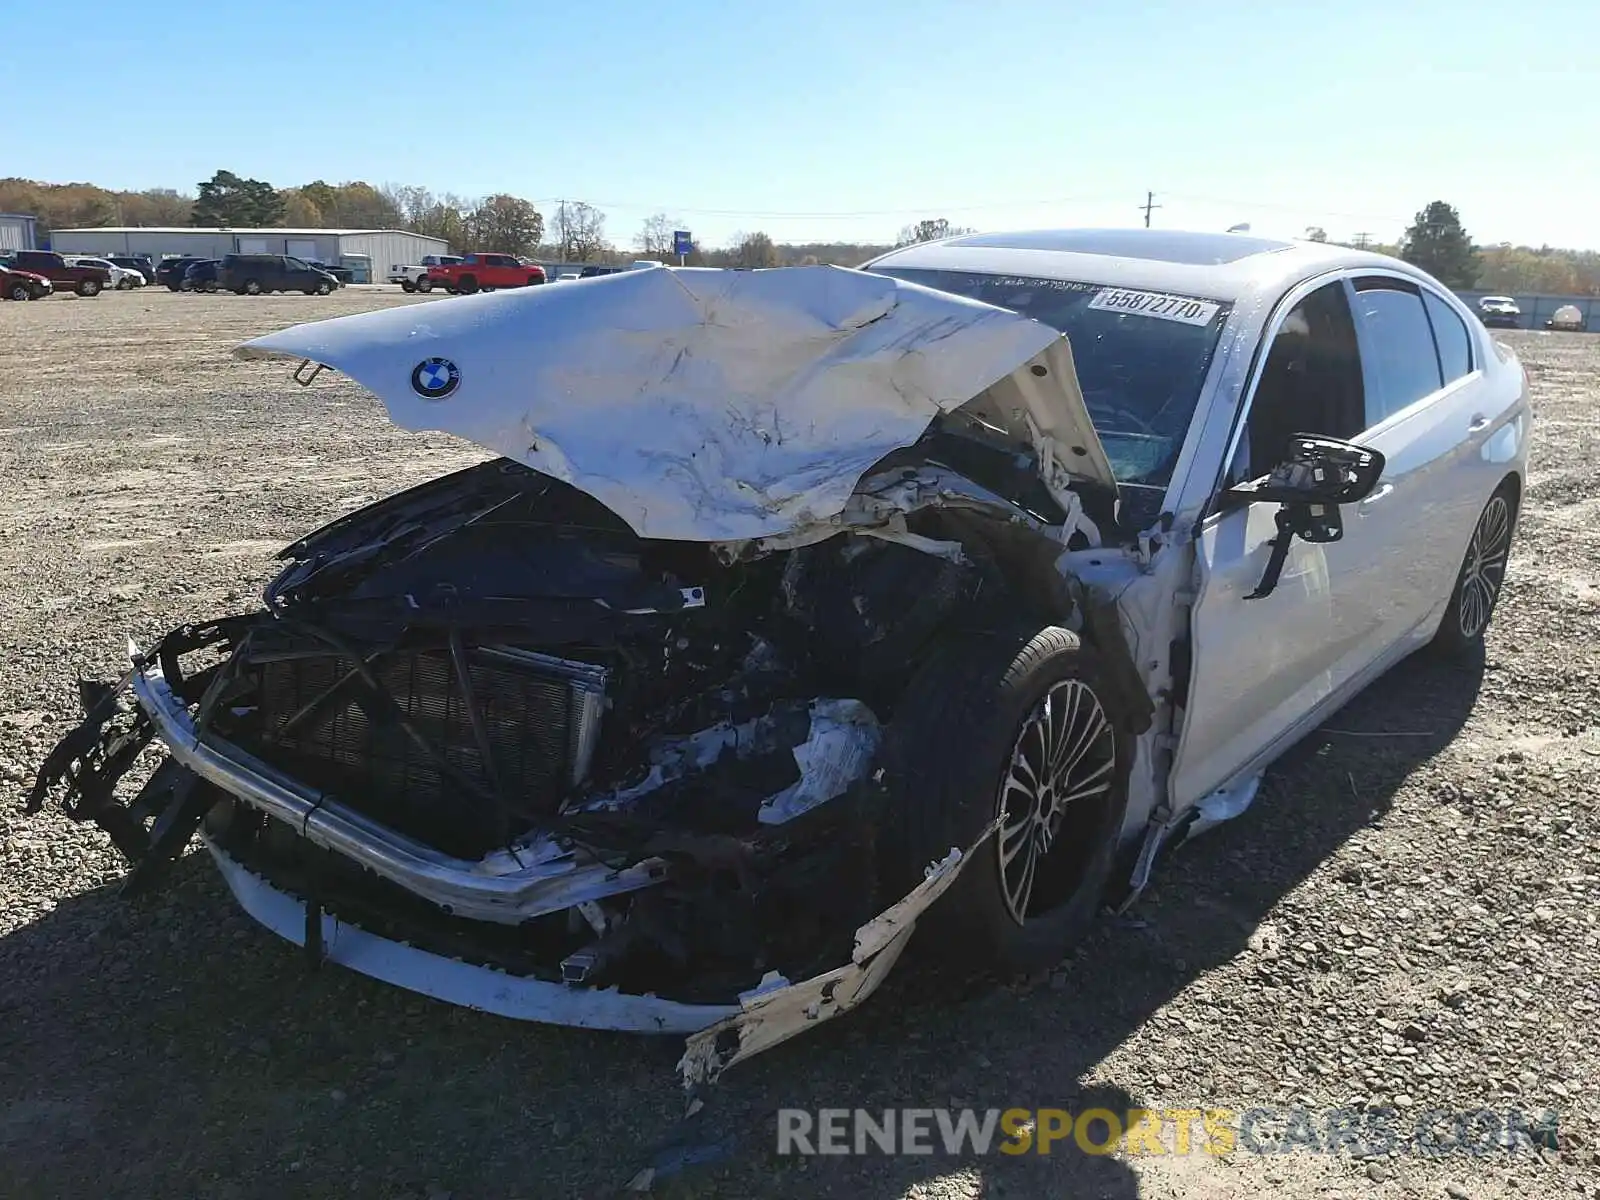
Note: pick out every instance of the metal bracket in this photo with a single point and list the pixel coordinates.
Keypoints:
(1162, 822)
(304, 363)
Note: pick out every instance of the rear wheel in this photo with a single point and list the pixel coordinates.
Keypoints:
(407, 286)
(89, 287)
(467, 285)
(1483, 572)
(1009, 727)
(210, 285)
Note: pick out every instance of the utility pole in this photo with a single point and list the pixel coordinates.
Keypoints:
(1149, 203)
(1360, 240)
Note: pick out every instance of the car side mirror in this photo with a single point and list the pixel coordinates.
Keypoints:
(1316, 470)
(1316, 476)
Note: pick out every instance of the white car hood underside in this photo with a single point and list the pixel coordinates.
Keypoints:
(712, 405)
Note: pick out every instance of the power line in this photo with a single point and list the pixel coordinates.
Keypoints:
(685, 210)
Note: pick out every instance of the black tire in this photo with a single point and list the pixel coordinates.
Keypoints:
(252, 287)
(19, 291)
(424, 285)
(89, 287)
(951, 759)
(173, 287)
(407, 286)
(535, 280)
(210, 285)
(1482, 574)
(123, 285)
(322, 288)
(467, 284)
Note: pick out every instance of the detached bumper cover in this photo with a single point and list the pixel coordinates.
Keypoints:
(469, 985)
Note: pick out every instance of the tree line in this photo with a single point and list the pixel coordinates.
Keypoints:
(575, 231)
(572, 230)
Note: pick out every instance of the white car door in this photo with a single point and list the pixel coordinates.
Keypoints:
(1260, 665)
(1425, 415)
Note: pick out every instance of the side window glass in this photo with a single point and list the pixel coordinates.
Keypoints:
(1455, 347)
(1310, 382)
(1399, 362)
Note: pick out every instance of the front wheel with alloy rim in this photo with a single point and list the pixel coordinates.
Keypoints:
(89, 287)
(252, 287)
(1483, 572)
(1007, 729)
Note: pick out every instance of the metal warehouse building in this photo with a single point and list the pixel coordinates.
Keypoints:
(16, 231)
(362, 250)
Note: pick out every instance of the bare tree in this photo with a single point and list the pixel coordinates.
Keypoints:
(930, 230)
(655, 236)
(754, 250)
(580, 231)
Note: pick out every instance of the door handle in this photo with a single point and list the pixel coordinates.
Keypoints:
(1479, 422)
(1378, 493)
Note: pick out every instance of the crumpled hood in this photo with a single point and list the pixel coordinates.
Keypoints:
(710, 405)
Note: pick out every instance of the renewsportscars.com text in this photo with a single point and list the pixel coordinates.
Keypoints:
(971, 1131)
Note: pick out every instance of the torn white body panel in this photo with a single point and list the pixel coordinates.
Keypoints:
(720, 1034)
(712, 405)
(775, 1012)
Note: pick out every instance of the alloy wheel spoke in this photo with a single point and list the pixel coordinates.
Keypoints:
(1064, 754)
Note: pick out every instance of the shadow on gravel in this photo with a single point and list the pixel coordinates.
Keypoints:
(170, 1047)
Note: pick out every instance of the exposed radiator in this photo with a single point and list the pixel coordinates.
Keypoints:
(540, 717)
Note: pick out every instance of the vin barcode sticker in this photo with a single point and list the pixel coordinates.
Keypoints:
(1156, 304)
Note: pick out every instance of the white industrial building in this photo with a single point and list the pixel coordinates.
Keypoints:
(16, 231)
(369, 253)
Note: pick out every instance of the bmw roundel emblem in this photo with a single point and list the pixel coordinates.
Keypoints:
(435, 378)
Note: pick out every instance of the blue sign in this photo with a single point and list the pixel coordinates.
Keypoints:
(682, 242)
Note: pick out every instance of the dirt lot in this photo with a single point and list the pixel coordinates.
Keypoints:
(1407, 917)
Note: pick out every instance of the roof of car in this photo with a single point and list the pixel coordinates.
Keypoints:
(1218, 266)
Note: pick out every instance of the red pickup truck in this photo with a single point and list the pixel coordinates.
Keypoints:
(86, 281)
(485, 272)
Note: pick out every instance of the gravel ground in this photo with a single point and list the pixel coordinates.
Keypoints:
(1407, 917)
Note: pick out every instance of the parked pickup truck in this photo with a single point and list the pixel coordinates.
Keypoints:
(86, 281)
(482, 273)
(410, 277)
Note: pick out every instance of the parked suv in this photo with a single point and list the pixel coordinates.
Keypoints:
(86, 281)
(136, 262)
(121, 278)
(171, 270)
(201, 276)
(252, 274)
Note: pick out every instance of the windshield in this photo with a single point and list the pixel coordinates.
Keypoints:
(1141, 356)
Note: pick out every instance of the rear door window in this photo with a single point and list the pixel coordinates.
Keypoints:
(1450, 335)
(1399, 362)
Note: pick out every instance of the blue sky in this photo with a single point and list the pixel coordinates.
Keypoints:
(823, 120)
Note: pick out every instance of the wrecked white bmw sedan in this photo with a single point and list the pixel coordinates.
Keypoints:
(803, 608)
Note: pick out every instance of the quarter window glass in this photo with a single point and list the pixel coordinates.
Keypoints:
(1398, 360)
(1455, 348)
